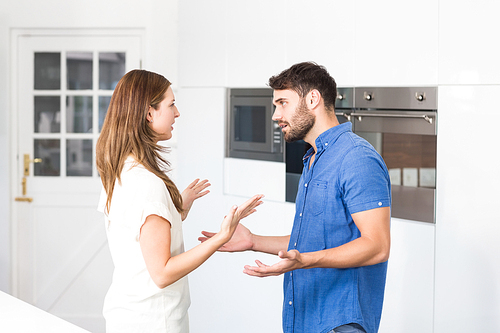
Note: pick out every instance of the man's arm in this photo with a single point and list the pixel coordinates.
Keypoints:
(371, 248)
(244, 240)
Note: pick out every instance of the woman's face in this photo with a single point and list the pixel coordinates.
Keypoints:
(163, 119)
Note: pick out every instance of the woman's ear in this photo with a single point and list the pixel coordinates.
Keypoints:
(149, 117)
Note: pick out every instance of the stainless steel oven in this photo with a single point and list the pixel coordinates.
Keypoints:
(400, 122)
(251, 133)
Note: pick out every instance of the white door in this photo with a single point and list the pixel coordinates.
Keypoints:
(63, 84)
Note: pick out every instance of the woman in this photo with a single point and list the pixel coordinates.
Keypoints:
(144, 211)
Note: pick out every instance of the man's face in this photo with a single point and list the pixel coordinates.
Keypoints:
(292, 115)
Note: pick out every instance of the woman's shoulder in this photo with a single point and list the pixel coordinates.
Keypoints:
(136, 175)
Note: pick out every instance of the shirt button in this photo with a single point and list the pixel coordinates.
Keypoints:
(300, 214)
(326, 144)
(295, 244)
(290, 302)
(380, 204)
(305, 185)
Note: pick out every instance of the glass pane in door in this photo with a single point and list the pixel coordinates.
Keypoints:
(49, 150)
(47, 114)
(79, 114)
(79, 157)
(103, 109)
(79, 67)
(111, 69)
(47, 70)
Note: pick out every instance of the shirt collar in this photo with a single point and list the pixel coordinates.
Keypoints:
(328, 138)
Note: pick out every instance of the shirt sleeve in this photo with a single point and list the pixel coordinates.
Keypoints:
(155, 208)
(140, 195)
(364, 180)
(157, 201)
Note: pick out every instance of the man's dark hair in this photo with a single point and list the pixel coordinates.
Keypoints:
(304, 77)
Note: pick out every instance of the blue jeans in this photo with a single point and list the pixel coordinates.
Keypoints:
(349, 328)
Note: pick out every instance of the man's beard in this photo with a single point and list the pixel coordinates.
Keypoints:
(302, 122)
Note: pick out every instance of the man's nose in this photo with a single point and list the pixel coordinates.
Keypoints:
(276, 115)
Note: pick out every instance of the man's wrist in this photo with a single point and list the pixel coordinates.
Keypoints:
(306, 260)
(253, 239)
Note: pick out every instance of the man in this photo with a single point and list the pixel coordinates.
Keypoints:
(335, 259)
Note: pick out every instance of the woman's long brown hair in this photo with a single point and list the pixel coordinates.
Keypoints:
(126, 132)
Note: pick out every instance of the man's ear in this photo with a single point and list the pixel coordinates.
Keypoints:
(313, 99)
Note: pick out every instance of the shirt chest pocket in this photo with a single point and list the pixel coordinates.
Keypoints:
(317, 196)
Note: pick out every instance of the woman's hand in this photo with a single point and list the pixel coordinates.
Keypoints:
(194, 191)
(232, 219)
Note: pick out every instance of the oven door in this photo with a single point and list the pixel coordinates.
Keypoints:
(407, 142)
(252, 133)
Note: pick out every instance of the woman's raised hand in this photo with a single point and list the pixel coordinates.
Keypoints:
(232, 219)
(194, 191)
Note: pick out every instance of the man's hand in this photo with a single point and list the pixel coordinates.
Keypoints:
(291, 260)
(241, 240)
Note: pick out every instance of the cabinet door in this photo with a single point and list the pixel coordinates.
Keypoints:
(322, 31)
(409, 292)
(468, 53)
(396, 42)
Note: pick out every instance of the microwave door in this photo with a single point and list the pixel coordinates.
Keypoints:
(251, 125)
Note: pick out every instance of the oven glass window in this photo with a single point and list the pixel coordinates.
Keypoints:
(410, 158)
(250, 123)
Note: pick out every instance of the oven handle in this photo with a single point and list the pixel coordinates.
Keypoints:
(388, 115)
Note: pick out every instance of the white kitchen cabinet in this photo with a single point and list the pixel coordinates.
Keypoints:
(322, 31)
(256, 41)
(244, 177)
(396, 42)
(202, 43)
(409, 293)
(200, 135)
(467, 295)
(468, 42)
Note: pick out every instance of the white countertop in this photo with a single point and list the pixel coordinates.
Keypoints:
(18, 316)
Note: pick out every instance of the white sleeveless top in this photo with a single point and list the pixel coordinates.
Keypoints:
(134, 303)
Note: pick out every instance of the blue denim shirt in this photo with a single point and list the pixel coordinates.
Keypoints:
(346, 177)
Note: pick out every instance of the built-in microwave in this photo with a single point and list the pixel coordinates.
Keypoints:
(251, 132)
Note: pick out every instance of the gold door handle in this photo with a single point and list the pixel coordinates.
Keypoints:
(24, 198)
(27, 162)
(26, 173)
